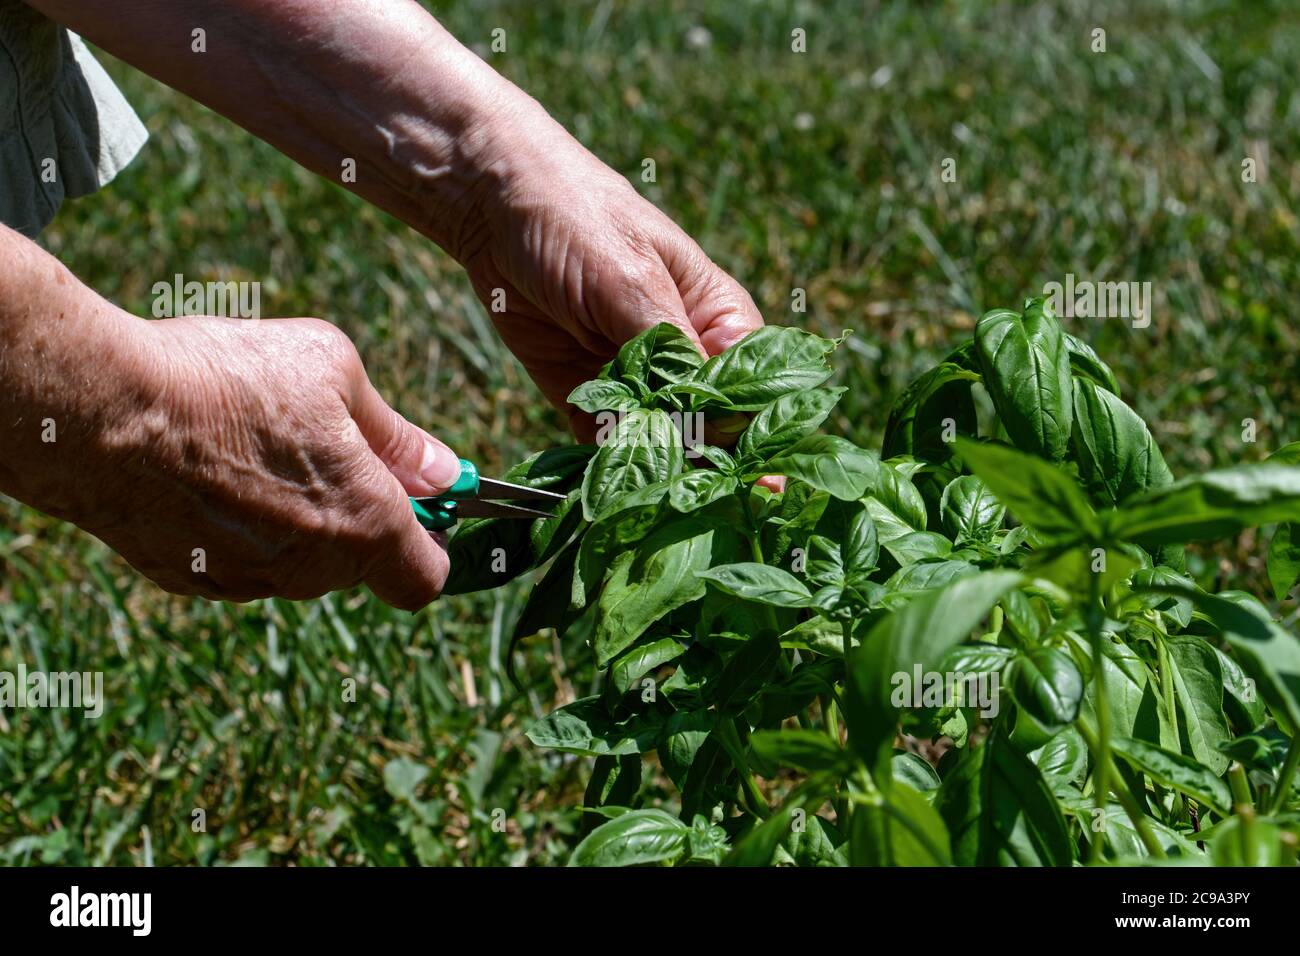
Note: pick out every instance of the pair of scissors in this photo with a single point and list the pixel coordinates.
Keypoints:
(470, 497)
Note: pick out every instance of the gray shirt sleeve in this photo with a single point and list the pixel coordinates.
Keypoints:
(65, 128)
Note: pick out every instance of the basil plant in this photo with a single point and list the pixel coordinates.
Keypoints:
(978, 646)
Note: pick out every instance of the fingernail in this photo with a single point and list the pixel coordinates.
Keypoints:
(440, 467)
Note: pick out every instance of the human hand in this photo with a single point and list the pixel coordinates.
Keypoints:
(584, 262)
(263, 447)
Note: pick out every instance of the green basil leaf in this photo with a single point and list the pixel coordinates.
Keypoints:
(548, 602)
(1086, 363)
(586, 727)
(683, 735)
(782, 423)
(1116, 454)
(1027, 374)
(917, 546)
(806, 750)
(903, 830)
(659, 356)
(1046, 683)
(635, 838)
(1178, 771)
(943, 391)
(915, 771)
(1284, 560)
(488, 552)
(662, 574)
(747, 671)
(641, 660)
(969, 511)
(759, 582)
(919, 634)
(547, 537)
(1131, 694)
(767, 364)
(693, 490)
(1241, 702)
(1198, 687)
(1038, 494)
(614, 781)
(600, 395)
(1063, 760)
(895, 504)
(1216, 504)
(833, 465)
(1001, 812)
(626, 523)
(1266, 651)
(644, 448)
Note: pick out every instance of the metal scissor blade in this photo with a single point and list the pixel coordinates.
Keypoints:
(478, 508)
(492, 488)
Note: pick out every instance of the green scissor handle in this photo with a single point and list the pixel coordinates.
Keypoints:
(439, 514)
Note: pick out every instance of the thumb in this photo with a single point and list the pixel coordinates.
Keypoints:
(423, 465)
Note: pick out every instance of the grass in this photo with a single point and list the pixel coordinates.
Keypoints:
(817, 171)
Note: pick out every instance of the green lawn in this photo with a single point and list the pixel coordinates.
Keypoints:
(818, 171)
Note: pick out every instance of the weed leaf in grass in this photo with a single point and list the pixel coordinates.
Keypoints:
(1027, 373)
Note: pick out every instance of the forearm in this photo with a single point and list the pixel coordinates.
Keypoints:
(375, 81)
(68, 361)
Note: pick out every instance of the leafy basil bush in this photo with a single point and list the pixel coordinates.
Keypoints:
(743, 634)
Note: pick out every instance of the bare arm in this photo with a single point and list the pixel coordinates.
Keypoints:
(376, 81)
(222, 458)
(453, 149)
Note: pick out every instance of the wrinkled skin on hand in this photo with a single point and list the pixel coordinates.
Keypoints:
(586, 263)
(264, 444)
